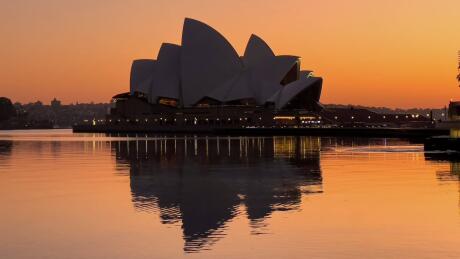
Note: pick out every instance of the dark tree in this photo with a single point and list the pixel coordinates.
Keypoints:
(7, 109)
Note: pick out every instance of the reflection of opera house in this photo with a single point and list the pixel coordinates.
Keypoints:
(203, 183)
(205, 81)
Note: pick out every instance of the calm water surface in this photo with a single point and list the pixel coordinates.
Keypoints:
(67, 195)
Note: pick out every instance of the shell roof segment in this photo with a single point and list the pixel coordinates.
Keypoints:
(207, 61)
(141, 74)
(166, 80)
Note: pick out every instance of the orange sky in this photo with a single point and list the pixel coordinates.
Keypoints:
(395, 53)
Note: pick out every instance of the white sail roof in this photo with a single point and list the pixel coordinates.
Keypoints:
(207, 61)
(206, 65)
(310, 86)
(141, 75)
(166, 81)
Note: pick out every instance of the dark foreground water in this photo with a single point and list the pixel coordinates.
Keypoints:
(65, 195)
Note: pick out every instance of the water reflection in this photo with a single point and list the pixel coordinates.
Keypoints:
(5, 148)
(5, 151)
(452, 175)
(204, 182)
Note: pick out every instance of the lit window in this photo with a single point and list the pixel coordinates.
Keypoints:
(284, 118)
(168, 102)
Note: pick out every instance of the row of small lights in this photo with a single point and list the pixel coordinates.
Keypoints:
(397, 116)
(310, 122)
(161, 119)
(241, 119)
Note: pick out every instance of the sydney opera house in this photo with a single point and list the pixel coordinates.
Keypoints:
(205, 75)
(204, 85)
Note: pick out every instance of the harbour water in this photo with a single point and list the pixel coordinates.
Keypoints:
(66, 195)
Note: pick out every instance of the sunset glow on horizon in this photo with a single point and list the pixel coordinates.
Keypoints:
(377, 53)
